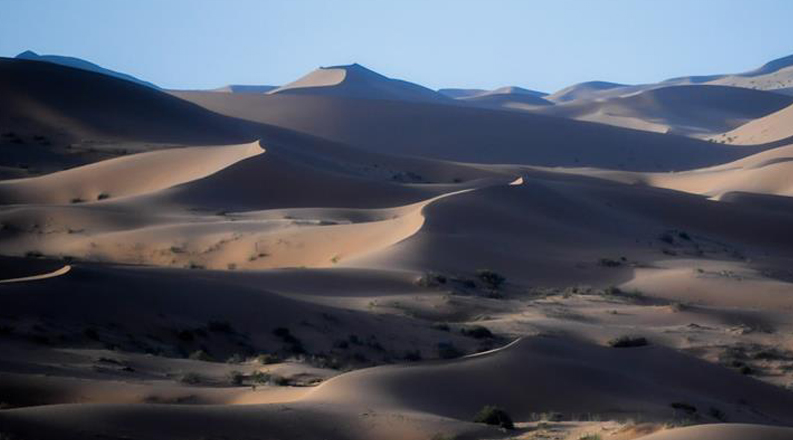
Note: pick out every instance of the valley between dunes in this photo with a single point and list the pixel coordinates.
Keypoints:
(354, 257)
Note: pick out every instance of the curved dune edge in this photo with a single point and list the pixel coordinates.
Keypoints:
(768, 172)
(723, 431)
(126, 176)
(257, 240)
(56, 273)
(322, 77)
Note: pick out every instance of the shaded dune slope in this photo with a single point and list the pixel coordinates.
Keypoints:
(470, 134)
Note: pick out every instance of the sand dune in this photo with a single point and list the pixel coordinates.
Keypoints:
(588, 90)
(244, 88)
(552, 374)
(125, 176)
(396, 260)
(77, 63)
(768, 173)
(507, 101)
(62, 271)
(470, 134)
(42, 98)
(356, 81)
(732, 431)
(686, 110)
(775, 128)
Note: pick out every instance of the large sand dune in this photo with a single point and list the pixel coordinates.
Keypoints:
(686, 110)
(776, 128)
(470, 134)
(356, 81)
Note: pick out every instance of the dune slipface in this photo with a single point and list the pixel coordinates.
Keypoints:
(350, 256)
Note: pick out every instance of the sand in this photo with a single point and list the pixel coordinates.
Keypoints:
(353, 257)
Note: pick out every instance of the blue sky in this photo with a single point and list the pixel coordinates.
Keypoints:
(543, 45)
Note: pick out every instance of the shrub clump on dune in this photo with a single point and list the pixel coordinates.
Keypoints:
(628, 342)
(492, 279)
(493, 415)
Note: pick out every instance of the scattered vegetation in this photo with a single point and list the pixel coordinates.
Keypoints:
(442, 326)
(628, 342)
(236, 377)
(717, 414)
(294, 344)
(492, 279)
(260, 377)
(684, 407)
(412, 355)
(493, 415)
(235, 358)
(432, 279)
(103, 196)
(477, 332)
(34, 254)
(220, 327)
(590, 436)
(201, 355)
(447, 350)
(608, 262)
(190, 378)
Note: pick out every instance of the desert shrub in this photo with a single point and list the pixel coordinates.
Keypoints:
(34, 254)
(185, 335)
(285, 335)
(190, 378)
(493, 415)
(717, 414)
(103, 196)
(447, 350)
(493, 279)
(235, 358)
(295, 345)
(281, 381)
(477, 332)
(220, 327)
(616, 292)
(628, 342)
(431, 279)
(667, 238)
(91, 333)
(412, 355)
(236, 377)
(260, 377)
(608, 262)
(590, 436)
(77, 200)
(685, 407)
(201, 355)
(442, 326)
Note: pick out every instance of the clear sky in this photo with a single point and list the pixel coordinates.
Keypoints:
(542, 44)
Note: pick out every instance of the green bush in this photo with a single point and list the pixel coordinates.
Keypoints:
(493, 415)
